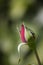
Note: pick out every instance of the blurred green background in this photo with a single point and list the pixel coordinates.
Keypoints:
(12, 14)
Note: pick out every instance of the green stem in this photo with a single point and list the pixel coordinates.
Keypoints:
(37, 57)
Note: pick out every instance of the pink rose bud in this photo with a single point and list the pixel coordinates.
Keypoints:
(22, 33)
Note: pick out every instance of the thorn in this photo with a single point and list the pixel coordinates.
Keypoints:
(19, 60)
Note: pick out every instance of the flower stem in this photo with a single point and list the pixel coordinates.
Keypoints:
(37, 57)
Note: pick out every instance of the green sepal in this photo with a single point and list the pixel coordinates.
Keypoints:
(31, 43)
